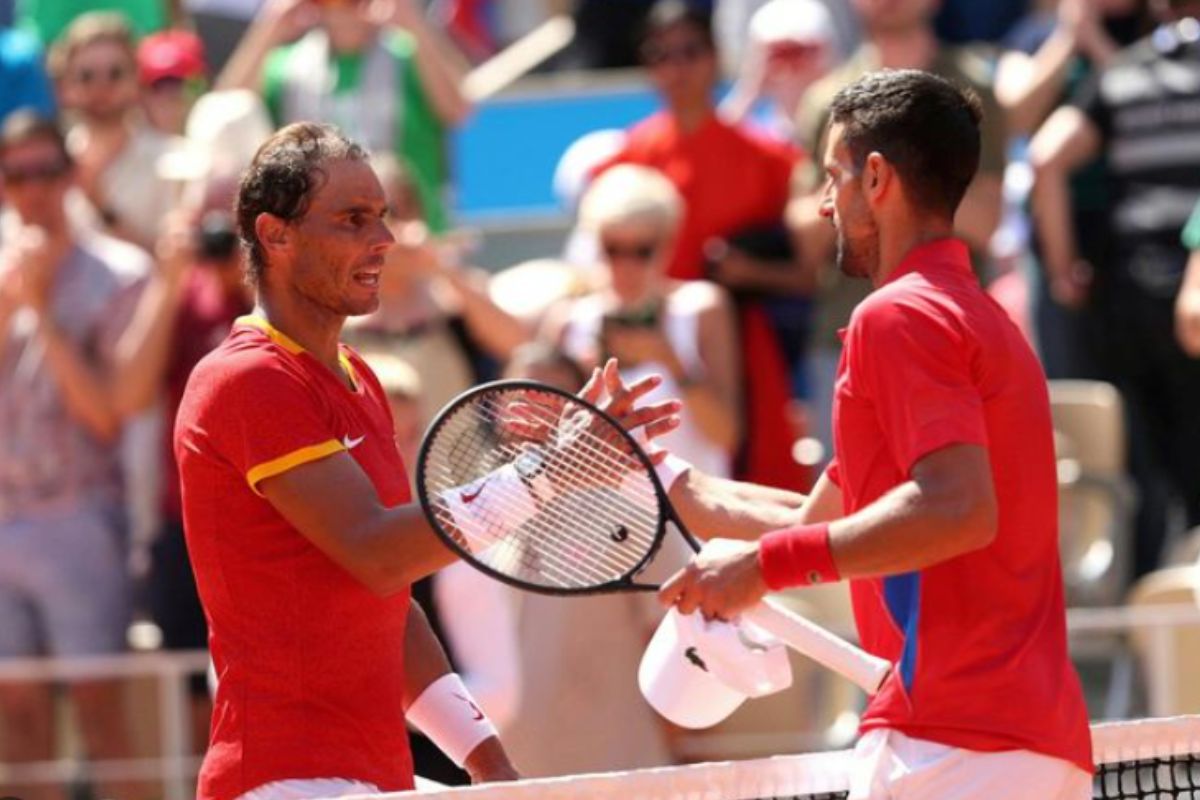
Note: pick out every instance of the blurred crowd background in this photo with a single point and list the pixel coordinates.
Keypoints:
(650, 191)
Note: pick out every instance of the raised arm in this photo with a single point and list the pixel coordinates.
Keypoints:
(86, 382)
(141, 352)
(279, 22)
(497, 331)
(439, 66)
(1067, 141)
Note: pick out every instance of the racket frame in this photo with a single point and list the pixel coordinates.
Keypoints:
(626, 582)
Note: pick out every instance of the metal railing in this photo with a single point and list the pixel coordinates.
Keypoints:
(176, 766)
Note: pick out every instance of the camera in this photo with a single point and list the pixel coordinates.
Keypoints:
(216, 239)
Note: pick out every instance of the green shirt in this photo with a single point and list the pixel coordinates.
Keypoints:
(47, 19)
(419, 140)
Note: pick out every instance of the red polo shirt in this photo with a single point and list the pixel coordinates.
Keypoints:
(309, 661)
(979, 640)
(730, 180)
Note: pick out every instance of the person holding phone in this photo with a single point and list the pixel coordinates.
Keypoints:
(684, 330)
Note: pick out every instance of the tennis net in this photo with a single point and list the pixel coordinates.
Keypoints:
(1153, 759)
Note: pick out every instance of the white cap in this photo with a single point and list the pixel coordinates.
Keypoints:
(224, 130)
(574, 168)
(792, 21)
(696, 673)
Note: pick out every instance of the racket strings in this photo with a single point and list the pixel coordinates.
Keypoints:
(560, 512)
(553, 529)
(605, 451)
(603, 521)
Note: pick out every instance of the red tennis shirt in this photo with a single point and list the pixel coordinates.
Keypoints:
(309, 661)
(730, 180)
(979, 640)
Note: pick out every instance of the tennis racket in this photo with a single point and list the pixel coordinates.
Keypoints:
(542, 490)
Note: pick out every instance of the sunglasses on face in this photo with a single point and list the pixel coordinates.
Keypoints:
(115, 73)
(689, 53)
(37, 173)
(641, 251)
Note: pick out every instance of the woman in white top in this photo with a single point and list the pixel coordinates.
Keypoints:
(685, 331)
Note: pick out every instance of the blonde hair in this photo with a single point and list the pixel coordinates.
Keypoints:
(397, 377)
(88, 29)
(629, 193)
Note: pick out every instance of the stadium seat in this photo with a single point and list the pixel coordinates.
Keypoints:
(1095, 495)
(1169, 655)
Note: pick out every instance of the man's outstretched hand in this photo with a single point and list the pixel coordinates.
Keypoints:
(608, 392)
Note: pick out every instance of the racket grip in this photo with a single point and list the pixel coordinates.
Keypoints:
(809, 639)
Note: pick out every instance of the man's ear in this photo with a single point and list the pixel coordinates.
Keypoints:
(878, 175)
(273, 232)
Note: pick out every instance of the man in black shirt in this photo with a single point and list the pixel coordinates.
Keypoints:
(1142, 113)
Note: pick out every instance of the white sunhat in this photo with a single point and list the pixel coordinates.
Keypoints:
(224, 130)
(792, 21)
(696, 673)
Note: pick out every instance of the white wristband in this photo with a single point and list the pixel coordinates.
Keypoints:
(488, 508)
(671, 468)
(448, 715)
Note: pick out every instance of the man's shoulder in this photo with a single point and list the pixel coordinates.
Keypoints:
(248, 362)
(913, 298)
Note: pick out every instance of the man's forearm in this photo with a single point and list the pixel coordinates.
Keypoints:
(143, 348)
(716, 507)
(85, 393)
(244, 68)
(441, 72)
(1052, 221)
(424, 657)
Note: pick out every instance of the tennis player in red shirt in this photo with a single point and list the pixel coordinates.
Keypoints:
(297, 511)
(941, 504)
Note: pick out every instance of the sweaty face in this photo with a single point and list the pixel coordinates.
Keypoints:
(845, 206)
(338, 248)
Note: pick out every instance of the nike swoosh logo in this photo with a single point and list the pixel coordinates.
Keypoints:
(474, 708)
(469, 497)
(350, 444)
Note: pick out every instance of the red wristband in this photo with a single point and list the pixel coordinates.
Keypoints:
(797, 557)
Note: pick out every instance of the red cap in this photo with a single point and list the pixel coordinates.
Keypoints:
(170, 54)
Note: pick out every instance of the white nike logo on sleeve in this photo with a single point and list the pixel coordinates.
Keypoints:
(350, 444)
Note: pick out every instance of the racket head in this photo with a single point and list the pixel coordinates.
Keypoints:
(598, 532)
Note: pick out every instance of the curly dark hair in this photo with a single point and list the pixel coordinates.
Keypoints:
(282, 179)
(924, 125)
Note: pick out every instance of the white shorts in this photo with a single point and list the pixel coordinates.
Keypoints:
(309, 789)
(891, 766)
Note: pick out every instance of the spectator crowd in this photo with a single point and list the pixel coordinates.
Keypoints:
(697, 252)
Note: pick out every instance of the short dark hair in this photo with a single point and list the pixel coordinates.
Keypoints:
(924, 125)
(282, 179)
(27, 125)
(666, 14)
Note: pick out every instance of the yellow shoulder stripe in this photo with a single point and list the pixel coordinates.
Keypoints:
(278, 466)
